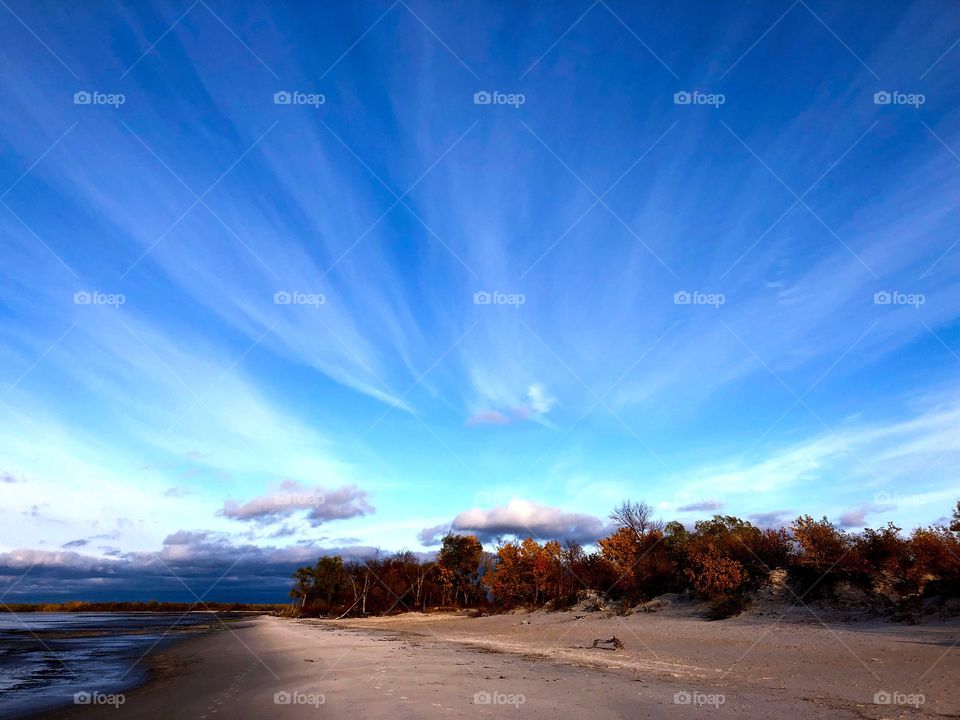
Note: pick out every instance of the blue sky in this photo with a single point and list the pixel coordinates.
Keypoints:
(187, 414)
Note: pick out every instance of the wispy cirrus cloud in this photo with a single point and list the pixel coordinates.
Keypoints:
(866, 463)
(488, 417)
(213, 379)
(538, 403)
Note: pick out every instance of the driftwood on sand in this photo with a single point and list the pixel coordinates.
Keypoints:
(614, 643)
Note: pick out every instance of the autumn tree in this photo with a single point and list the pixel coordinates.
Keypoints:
(714, 557)
(637, 517)
(822, 555)
(881, 551)
(527, 573)
(722, 559)
(330, 579)
(936, 561)
(511, 580)
(714, 575)
(459, 567)
(404, 579)
(548, 571)
(757, 551)
(575, 573)
(820, 544)
(642, 565)
(361, 577)
(303, 585)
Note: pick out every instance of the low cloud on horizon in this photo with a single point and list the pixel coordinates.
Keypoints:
(520, 518)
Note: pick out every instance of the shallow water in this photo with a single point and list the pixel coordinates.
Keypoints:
(46, 658)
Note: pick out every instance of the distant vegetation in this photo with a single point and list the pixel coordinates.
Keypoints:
(150, 606)
(723, 560)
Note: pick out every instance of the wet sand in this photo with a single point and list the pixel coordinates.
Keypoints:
(521, 665)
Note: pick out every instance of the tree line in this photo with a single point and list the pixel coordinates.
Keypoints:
(722, 560)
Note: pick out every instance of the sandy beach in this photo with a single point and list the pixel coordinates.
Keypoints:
(543, 665)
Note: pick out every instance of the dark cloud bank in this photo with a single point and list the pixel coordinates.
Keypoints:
(212, 566)
(187, 566)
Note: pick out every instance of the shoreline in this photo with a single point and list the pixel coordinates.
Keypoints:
(433, 666)
(158, 665)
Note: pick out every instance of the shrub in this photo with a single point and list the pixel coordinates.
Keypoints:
(726, 607)
(712, 575)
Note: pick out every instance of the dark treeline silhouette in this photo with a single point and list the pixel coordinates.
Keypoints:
(722, 560)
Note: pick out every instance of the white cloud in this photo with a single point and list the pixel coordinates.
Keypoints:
(322, 505)
(524, 518)
(540, 401)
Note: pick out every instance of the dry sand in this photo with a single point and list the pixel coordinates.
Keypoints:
(540, 665)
